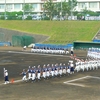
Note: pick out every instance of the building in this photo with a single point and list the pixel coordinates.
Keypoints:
(17, 5)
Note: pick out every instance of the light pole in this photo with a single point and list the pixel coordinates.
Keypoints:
(5, 10)
(71, 9)
(61, 11)
(23, 8)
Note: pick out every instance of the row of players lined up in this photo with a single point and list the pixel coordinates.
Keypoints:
(88, 64)
(93, 53)
(47, 71)
(50, 51)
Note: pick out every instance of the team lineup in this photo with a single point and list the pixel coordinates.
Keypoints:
(37, 73)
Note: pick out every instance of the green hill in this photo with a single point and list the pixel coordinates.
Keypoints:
(60, 32)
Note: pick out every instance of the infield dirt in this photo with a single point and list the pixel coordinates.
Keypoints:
(14, 59)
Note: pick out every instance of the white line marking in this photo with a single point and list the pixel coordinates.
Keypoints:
(76, 84)
(11, 82)
(69, 82)
(35, 53)
(17, 81)
(39, 54)
(76, 79)
(94, 77)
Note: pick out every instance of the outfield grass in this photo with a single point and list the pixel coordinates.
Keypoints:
(60, 32)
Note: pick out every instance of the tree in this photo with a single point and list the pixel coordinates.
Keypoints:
(49, 8)
(72, 4)
(61, 8)
(28, 8)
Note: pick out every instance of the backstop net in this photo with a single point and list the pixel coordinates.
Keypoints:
(22, 40)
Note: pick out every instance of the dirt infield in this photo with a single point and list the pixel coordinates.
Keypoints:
(14, 60)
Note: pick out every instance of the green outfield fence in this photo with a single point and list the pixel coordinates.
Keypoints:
(86, 45)
(22, 40)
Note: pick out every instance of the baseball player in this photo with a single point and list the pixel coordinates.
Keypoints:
(72, 67)
(60, 69)
(44, 70)
(29, 73)
(52, 71)
(33, 74)
(6, 77)
(24, 75)
(56, 69)
(64, 69)
(39, 73)
(48, 71)
(72, 52)
(68, 69)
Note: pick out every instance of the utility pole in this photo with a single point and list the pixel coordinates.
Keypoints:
(5, 10)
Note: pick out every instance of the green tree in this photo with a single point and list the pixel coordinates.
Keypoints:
(89, 12)
(49, 8)
(28, 8)
(72, 4)
(62, 8)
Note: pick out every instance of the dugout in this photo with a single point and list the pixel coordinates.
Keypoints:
(86, 45)
(22, 40)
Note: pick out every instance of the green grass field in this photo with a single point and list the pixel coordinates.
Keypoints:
(60, 32)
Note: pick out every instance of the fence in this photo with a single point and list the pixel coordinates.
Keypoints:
(5, 44)
(86, 45)
(96, 40)
(52, 46)
(22, 40)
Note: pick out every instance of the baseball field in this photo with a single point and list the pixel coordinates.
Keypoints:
(78, 86)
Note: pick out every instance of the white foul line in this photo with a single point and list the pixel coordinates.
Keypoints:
(76, 84)
(76, 79)
(12, 82)
(68, 82)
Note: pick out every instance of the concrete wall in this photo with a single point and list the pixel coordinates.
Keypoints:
(9, 33)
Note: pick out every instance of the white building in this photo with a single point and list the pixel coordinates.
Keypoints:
(17, 5)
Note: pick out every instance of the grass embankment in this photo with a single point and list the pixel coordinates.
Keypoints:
(60, 32)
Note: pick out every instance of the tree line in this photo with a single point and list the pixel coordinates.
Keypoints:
(51, 9)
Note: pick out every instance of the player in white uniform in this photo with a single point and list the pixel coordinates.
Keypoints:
(33, 74)
(56, 69)
(39, 73)
(64, 69)
(60, 69)
(44, 70)
(29, 73)
(48, 71)
(6, 77)
(52, 71)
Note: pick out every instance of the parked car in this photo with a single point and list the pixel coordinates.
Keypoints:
(36, 17)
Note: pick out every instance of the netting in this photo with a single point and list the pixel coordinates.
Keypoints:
(22, 40)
